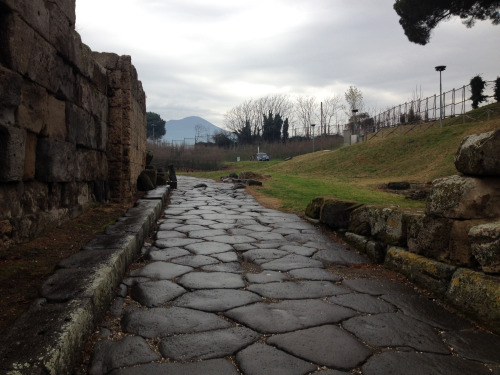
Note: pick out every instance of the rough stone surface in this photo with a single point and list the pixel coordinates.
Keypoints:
(209, 367)
(485, 245)
(216, 299)
(477, 294)
(155, 293)
(478, 154)
(411, 363)
(474, 345)
(158, 322)
(458, 197)
(161, 270)
(297, 290)
(111, 355)
(211, 280)
(336, 212)
(396, 330)
(363, 303)
(262, 359)
(287, 316)
(325, 345)
(207, 345)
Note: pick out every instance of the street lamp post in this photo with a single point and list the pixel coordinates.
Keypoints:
(313, 125)
(439, 69)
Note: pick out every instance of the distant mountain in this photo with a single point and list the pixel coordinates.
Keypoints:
(188, 129)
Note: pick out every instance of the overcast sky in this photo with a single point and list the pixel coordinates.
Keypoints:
(202, 58)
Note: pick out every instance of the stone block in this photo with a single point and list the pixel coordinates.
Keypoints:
(429, 236)
(357, 241)
(429, 273)
(91, 99)
(478, 154)
(478, 295)
(376, 251)
(336, 213)
(55, 161)
(458, 197)
(460, 253)
(32, 112)
(10, 204)
(12, 153)
(386, 224)
(30, 156)
(90, 165)
(81, 126)
(485, 245)
(313, 209)
(10, 98)
(55, 126)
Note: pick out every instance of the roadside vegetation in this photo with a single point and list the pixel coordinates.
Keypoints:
(357, 172)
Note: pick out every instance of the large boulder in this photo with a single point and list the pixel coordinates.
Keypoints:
(478, 154)
(336, 213)
(485, 244)
(429, 236)
(467, 198)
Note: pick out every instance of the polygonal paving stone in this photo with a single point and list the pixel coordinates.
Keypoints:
(257, 228)
(378, 287)
(260, 359)
(219, 217)
(326, 345)
(207, 248)
(167, 234)
(155, 293)
(363, 303)
(169, 226)
(206, 233)
(396, 330)
(299, 250)
(190, 227)
(297, 290)
(211, 280)
(286, 231)
(314, 274)
(475, 345)
(291, 262)
(167, 254)
(207, 345)
(243, 247)
(161, 270)
(233, 267)
(340, 256)
(162, 322)
(175, 242)
(427, 311)
(195, 261)
(411, 363)
(287, 316)
(216, 300)
(266, 236)
(231, 239)
(259, 256)
(331, 372)
(238, 231)
(225, 226)
(230, 256)
(110, 355)
(202, 222)
(270, 244)
(266, 277)
(209, 367)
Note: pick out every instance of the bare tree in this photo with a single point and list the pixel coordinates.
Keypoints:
(331, 108)
(354, 99)
(305, 110)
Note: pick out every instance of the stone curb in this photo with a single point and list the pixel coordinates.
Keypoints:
(48, 338)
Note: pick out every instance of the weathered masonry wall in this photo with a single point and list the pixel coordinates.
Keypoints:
(453, 248)
(72, 122)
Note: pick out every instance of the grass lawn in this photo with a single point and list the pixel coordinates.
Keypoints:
(356, 172)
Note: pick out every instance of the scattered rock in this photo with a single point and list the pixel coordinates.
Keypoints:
(478, 154)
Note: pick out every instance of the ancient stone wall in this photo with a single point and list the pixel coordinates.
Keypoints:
(72, 122)
(453, 248)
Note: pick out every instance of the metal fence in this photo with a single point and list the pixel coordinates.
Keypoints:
(455, 102)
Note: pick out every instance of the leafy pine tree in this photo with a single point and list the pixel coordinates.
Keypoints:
(285, 131)
(496, 93)
(420, 17)
(477, 85)
(155, 128)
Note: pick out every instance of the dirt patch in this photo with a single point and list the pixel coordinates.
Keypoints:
(24, 267)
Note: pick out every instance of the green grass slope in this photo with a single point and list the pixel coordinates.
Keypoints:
(357, 171)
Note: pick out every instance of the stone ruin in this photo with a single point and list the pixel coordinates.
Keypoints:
(453, 248)
(72, 121)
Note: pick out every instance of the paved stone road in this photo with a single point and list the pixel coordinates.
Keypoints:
(230, 287)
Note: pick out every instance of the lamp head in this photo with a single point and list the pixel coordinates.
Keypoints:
(440, 68)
